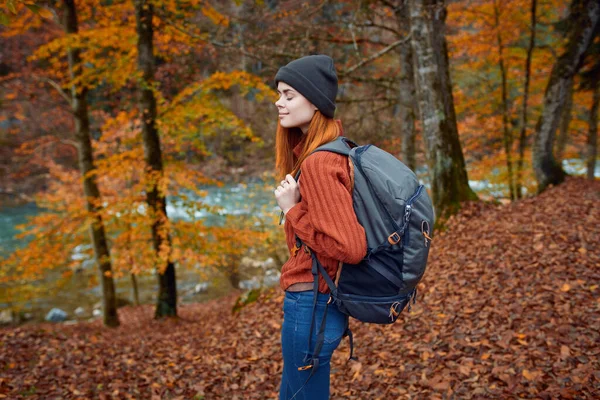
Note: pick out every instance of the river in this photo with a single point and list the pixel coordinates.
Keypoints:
(193, 286)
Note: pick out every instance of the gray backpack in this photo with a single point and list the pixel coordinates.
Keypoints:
(397, 215)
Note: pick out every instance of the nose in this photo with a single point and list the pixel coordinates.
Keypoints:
(277, 104)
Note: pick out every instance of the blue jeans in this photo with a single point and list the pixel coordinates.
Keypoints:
(297, 313)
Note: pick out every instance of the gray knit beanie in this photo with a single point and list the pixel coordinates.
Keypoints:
(315, 78)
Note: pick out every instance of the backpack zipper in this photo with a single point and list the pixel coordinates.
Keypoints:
(408, 211)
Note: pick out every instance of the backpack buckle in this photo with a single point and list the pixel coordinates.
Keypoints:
(393, 311)
(295, 250)
(425, 231)
(394, 238)
(306, 250)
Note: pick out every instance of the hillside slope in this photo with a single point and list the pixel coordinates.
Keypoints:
(509, 308)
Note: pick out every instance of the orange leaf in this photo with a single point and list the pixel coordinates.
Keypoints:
(531, 375)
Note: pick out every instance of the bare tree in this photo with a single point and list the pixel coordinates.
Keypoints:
(507, 131)
(406, 97)
(449, 180)
(523, 121)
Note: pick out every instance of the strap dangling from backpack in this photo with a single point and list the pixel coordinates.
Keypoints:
(348, 333)
(313, 361)
(315, 273)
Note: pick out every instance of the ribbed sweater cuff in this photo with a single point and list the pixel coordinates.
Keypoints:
(293, 215)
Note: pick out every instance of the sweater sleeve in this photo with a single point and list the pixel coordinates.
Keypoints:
(324, 218)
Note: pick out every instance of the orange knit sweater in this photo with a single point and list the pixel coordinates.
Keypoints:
(324, 219)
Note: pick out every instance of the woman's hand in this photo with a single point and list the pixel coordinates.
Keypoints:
(287, 193)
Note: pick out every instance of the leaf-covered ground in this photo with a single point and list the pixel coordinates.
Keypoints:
(509, 308)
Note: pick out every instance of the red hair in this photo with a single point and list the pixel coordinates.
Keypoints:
(321, 130)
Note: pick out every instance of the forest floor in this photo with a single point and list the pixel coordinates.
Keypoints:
(509, 308)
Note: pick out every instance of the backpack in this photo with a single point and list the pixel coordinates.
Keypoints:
(397, 216)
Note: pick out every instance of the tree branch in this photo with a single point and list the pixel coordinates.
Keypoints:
(374, 25)
(349, 101)
(55, 85)
(375, 56)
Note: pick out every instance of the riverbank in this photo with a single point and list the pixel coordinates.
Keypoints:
(509, 307)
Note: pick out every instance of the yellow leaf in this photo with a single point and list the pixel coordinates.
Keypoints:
(45, 13)
(485, 356)
(565, 287)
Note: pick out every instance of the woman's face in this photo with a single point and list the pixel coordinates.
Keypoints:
(295, 111)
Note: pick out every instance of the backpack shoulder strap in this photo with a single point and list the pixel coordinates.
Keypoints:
(341, 145)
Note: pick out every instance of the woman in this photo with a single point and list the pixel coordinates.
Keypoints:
(318, 210)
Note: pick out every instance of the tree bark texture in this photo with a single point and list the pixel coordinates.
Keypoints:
(86, 167)
(167, 288)
(136, 292)
(584, 15)
(523, 121)
(406, 97)
(449, 182)
(592, 142)
(565, 121)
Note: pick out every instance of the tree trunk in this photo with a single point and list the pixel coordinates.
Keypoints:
(167, 289)
(136, 292)
(523, 122)
(592, 142)
(86, 166)
(565, 121)
(234, 277)
(407, 93)
(134, 284)
(449, 182)
(584, 15)
(507, 134)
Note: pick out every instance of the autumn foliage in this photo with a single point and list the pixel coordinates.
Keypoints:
(508, 308)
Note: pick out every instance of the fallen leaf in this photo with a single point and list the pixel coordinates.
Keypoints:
(564, 352)
(356, 371)
(531, 375)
